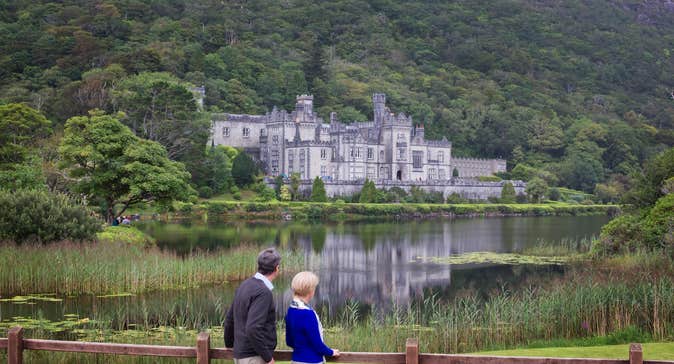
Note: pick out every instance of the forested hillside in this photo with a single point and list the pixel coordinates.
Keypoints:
(581, 91)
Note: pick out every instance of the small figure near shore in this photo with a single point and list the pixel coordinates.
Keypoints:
(304, 332)
(126, 221)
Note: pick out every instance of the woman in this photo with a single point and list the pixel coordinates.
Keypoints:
(304, 332)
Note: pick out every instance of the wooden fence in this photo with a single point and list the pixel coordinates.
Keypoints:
(15, 345)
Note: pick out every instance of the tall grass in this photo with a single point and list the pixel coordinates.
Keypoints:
(565, 247)
(110, 268)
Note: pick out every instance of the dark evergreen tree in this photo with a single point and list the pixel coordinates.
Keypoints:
(244, 169)
(318, 191)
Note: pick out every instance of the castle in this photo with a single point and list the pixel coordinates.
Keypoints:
(389, 149)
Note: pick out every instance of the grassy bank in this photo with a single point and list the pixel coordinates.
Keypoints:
(337, 211)
(652, 351)
(112, 267)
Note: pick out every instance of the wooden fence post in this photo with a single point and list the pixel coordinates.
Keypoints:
(636, 354)
(412, 351)
(203, 348)
(15, 345)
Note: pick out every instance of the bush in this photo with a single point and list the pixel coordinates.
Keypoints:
(40, 216)
(508, 194)
(266, 194)
(236, 195)
(205, 192)
(234, 189)
(555, 195)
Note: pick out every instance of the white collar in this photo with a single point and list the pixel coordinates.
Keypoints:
(264, 280)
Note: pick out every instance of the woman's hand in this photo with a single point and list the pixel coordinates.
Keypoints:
(335, 353)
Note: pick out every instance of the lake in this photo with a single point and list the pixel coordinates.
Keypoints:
(378, 265)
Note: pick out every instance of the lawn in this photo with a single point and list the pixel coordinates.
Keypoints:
(652, 351)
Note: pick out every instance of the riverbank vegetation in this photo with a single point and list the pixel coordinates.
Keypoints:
(115, 268)
(340, 211)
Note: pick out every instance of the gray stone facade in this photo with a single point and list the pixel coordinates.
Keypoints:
(388, 149)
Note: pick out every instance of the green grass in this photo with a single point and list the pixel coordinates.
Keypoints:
(652, 351)
(125, 234)
(114, 268)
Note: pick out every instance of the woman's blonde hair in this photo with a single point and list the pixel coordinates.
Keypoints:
(304, 283)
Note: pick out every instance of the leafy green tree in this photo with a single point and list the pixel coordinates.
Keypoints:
(318, 191)
(161, 108)
(537, 188)
(368, 194)
(244, 169)
(648, 184)
(508, 194)
(114, 167)
(21, 129)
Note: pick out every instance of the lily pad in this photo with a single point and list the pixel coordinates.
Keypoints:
(495, 258)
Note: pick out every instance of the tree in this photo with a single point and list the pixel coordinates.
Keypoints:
(114, 167)
(278, 183)
(21, 128)
(285, 193)
(537, 188)
(368, 194)
(508, 194)
(161, 108)
(649, 183)
(295, 185)
(318, 191)
(244, 169)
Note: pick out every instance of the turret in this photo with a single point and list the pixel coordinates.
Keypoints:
(379, 102)
(305, 104)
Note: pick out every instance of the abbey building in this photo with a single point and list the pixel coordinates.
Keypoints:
(388, 148)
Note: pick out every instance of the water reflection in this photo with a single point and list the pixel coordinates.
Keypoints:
(374, 264)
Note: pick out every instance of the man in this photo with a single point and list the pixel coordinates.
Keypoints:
(250, 325)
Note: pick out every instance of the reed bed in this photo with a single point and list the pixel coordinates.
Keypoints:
(69, 268)
(506, 320)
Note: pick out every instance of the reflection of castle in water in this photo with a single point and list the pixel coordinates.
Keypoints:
(379, 265)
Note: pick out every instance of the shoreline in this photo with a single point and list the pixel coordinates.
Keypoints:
(350, 212)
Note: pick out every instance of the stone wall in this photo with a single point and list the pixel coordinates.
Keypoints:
(466, 187)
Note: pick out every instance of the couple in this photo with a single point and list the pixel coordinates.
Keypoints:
(250, 325)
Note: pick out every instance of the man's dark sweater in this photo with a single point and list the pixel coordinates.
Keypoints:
(250, 326)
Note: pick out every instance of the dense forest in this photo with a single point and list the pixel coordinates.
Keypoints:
(576, 92)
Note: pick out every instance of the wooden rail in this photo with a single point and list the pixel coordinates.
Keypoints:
(15, 345)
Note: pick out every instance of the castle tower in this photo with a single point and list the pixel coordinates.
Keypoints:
(305, 103)
(379, 102)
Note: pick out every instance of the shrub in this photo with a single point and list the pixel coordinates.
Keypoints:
(508, 194)
(236, 195)
(40, 216)
(284, 194)
(205, 192)
(555, 195)
(266, 194)
(234, 189)
(318, 191)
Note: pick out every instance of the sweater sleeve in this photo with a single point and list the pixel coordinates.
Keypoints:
(229, 328)
(289, 334)
(255, 325)
(311, 327)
